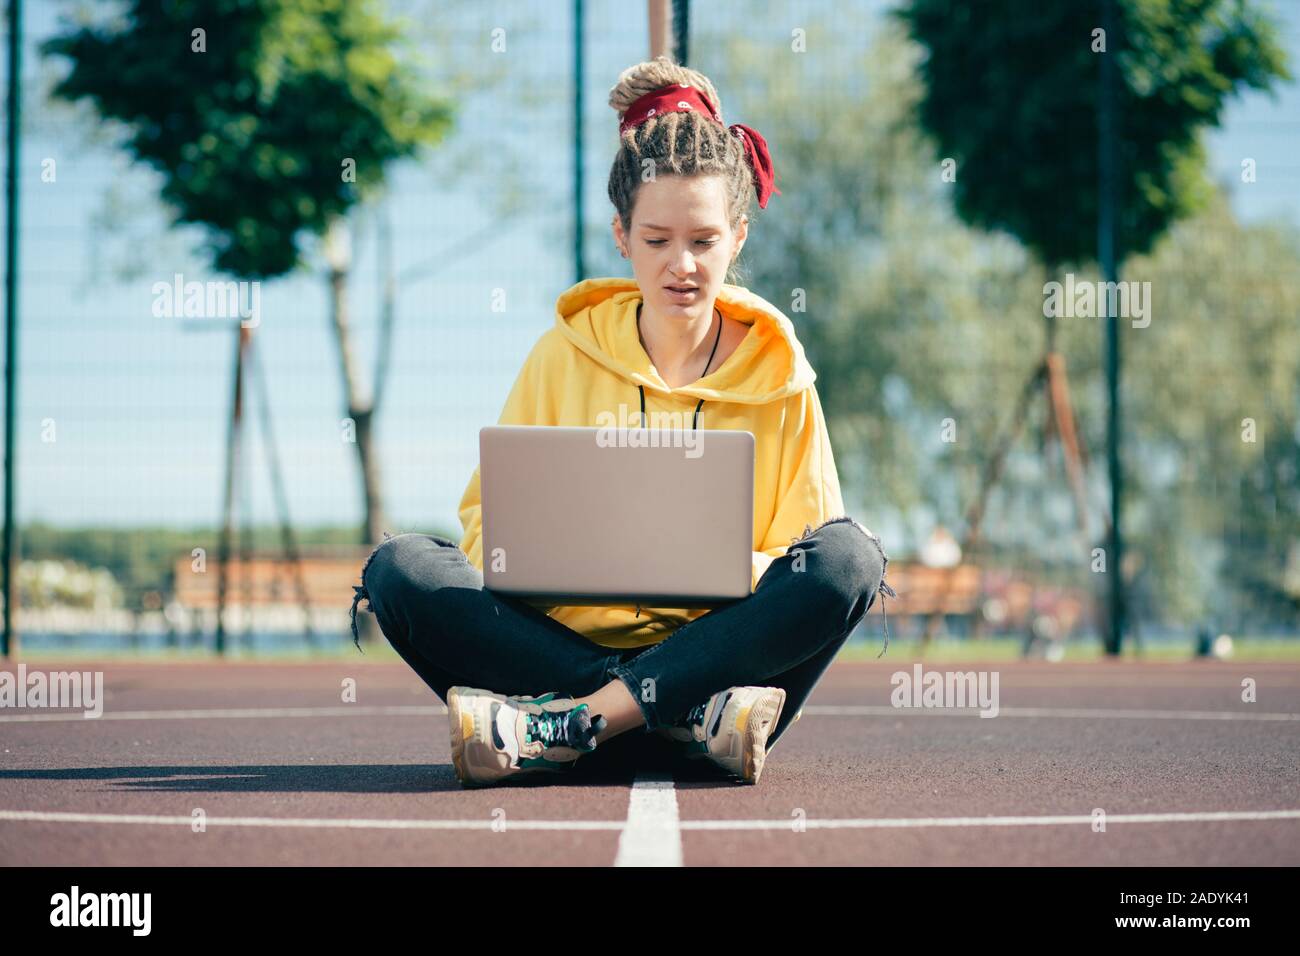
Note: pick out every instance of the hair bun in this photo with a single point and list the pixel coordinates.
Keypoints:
(650, 75)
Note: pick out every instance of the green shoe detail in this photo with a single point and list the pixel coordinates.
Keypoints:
(572, 728)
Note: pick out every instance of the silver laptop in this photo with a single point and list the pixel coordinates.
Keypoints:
(594, 516)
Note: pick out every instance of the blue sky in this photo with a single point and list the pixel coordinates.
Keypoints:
(138, 405)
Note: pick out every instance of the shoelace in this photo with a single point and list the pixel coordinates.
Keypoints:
(552, 728)
(695, 715)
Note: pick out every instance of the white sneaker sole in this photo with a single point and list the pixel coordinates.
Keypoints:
(760, 709)
(461, 724)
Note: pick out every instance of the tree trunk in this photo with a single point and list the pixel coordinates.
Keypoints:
(360, 408)
(243, 336)
(992, 472)
(1061, 412)
(660, 17)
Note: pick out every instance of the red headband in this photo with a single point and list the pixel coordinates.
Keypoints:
(682, 97)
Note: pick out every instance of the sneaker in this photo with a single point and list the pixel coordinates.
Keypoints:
(793, 720)
(730, 729)
(495, 737)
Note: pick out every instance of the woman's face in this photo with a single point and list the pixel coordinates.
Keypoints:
(680, 238)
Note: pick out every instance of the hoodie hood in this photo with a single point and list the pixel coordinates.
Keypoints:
(598, 316)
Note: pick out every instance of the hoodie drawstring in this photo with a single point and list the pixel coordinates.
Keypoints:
(695, 419)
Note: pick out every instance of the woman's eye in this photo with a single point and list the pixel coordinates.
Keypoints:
(698, 242)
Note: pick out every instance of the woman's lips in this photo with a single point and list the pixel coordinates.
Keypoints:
(681, 296)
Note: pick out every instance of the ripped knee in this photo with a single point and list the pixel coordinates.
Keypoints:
(809, 531)
(359, 591)
(882, 587)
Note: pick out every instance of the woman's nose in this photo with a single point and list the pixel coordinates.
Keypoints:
(684, 264)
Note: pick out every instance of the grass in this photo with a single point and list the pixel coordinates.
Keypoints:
(1009, 649)
(381, 653)
(941, 650)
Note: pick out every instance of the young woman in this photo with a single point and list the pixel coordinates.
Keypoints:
(677, 341)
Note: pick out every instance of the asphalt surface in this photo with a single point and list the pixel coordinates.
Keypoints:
(277, 769)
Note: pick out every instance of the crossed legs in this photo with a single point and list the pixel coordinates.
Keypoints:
(431, 605)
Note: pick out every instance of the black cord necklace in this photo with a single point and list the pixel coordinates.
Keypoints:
(695, 420)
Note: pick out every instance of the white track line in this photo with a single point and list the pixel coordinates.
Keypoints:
(812, 710)
(651, 819)
(915, 822)
(345, 710)
(863, 710)
(652, 835)
(40, 816)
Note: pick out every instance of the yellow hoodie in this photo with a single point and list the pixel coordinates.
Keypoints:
(591, 361)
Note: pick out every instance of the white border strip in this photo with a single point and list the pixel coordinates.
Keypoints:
(650, 817)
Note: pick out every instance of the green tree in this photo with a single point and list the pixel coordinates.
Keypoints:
(1015, 111)
(912, 317)
(1011, 94)
(1214, 394)
(256, 112)
(269, 120)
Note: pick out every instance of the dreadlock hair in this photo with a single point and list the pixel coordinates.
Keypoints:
(685, 144)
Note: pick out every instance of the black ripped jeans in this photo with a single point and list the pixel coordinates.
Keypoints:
(431, 605)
